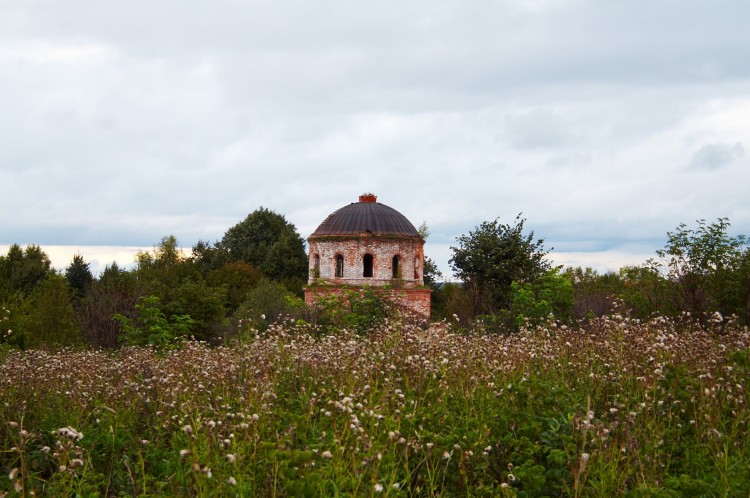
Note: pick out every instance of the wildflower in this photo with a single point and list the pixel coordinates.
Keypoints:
(232, 481)
(378, 488)
(327, 455)
(70, 433)
(187, 429)
(184, 453)
(13, 473)
(511, 477)
(231, 458)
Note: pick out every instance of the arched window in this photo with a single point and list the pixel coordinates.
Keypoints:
(395, 267)
(416, 267)
(367, 263)
(339, 265)
(316, 264)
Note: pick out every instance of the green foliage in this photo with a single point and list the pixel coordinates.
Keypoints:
(644, 290)
(205, 305)
(79, 276)
(265, 304)
(360, 311)
(492, 257)
(431, 273)
(151, 327)
(449, 300)
(269, 242)
(45, 319)
(238, 277)
(175, 280)
(534, 302)
(22, 269)
(48, 315)
(703, 263)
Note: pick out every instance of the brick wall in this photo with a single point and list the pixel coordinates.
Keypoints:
(409, 250)
(415, 301)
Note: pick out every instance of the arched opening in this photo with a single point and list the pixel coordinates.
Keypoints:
(316, 263)
(395, 267)
(416, 268)
(367, 261)
(339, 266)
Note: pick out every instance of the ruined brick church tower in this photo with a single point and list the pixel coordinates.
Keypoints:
(369, 244)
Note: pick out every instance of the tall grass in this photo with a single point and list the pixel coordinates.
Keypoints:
(616, 407)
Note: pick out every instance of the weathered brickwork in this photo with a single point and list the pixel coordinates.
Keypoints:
(410, 255)
(369, 244)
(413, 301)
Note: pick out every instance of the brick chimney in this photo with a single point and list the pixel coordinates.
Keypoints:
(368, 197)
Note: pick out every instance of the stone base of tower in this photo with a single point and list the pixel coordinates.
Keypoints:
(413, 301)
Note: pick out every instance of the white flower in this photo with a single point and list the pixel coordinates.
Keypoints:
(187, 429)
(70, 433)
(231, 458)
(184, 453)
(327, 455)
(232, 481)
(378, 488)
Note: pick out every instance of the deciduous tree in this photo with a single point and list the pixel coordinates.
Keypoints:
(702, 263)
(492, 257)
(268, 241)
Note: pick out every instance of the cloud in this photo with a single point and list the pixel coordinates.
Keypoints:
(717, 155)
(123, 123)
(538, 128)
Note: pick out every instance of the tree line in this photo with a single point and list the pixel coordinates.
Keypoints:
(702, 272)
(256, 272)
(166, 293)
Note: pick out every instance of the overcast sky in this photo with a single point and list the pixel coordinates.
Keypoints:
(607, 123)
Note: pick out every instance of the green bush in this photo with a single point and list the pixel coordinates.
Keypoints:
(151, 327)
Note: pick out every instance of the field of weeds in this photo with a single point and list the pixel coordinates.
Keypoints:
(617, 407)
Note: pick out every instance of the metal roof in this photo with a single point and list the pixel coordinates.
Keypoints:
(366, 216)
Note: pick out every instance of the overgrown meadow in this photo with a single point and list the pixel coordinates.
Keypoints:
(617, 407)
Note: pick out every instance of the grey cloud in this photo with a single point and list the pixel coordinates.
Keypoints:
(538, 128)
(125, 122)
(717, 155)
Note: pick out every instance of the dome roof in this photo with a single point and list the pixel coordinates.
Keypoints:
(367, 215)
